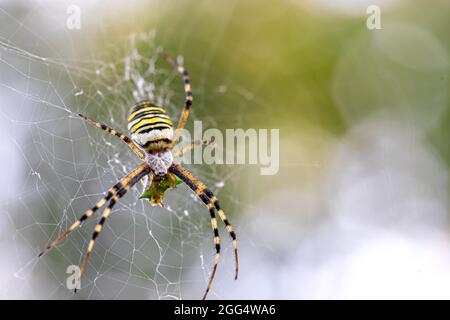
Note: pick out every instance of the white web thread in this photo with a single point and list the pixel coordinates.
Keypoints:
(170, 241)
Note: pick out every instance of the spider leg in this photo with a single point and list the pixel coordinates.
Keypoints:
(80, 220)
(121, 136)
(215, 202)
(212, 203)
(191, 146)
(131, 180)
(228, 226)
(188, 94)
(89, 213)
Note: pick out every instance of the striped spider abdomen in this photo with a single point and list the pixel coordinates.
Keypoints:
(150, 127)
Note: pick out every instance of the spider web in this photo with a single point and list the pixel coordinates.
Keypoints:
(61, 166)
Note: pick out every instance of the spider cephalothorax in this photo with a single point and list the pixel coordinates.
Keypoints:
(153, 139)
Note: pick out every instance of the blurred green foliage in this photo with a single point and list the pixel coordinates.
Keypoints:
(277, 58)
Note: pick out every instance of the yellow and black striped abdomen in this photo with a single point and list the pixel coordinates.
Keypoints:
(150, 126)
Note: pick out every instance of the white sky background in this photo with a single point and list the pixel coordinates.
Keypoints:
(383, 193)
(385, 235)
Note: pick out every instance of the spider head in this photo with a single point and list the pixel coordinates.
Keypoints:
(150, 126)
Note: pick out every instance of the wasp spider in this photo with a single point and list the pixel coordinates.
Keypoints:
(153, 139)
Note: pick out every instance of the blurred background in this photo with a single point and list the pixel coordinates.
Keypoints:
(359, 208)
